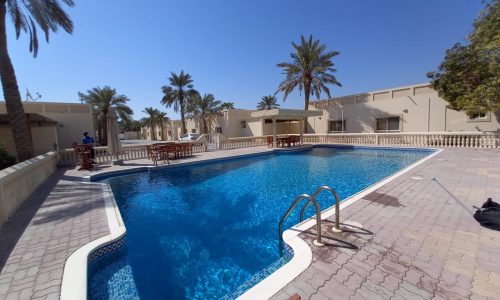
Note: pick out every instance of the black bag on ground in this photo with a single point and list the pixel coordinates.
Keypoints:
(489, 215)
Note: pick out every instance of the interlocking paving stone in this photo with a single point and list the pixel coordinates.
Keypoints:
(41, 235)
(423, 245)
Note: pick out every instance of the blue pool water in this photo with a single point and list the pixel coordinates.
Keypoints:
(200, 231)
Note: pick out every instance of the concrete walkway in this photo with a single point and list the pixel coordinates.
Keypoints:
(417, 242)
(59, 217)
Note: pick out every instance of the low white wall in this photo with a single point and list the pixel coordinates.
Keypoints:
(19, 181)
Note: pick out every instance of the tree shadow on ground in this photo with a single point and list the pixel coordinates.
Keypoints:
(383, 199)
(12, 230)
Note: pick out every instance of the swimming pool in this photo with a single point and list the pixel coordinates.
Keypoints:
(201, 231)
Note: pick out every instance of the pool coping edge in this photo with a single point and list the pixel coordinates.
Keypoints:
(75, 275)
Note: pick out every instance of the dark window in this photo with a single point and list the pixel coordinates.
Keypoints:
(478, 116)
(388, 124)
(243, 124)
(193, 130)
(336, 126)
(218, 129)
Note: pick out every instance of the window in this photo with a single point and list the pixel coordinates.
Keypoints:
(218, 129)
(243, 124)
(478, 117)
(336, 126)
(388, 124)
(193, 130)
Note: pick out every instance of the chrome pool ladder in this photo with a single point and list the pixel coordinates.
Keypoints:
(311, 199)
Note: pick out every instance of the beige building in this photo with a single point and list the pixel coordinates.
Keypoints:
(415, 108)
(52, 125)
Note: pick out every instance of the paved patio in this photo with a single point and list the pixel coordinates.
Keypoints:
(417, 241)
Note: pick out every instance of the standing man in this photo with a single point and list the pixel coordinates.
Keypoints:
(88, 140)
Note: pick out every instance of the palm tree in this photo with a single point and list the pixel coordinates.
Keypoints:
(227, 105)
(151, 120)
(162, 117)
(267, 103)
(101, 100)
(205, 108)
(178, 94)
(311, 70)
(26, 14)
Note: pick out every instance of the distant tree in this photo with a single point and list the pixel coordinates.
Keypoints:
(205, 108)
(311, 70)
(178, 94)
(227, 105)
(101, 99)
(26, 15)
(162, 117)
(154, 118)
(267, 103)
(151, 120)
(469, 76)
(130, 125)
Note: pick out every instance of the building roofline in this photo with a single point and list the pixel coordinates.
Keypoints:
(374, 92)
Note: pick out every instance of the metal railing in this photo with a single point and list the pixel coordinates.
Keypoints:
(337, 204)
(311, 199)
(289, 211)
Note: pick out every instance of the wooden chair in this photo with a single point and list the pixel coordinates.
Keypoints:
(269, 142)
(83, 156)
(158, 152)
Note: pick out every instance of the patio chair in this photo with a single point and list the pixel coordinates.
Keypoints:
(83, 156)
(158, 152)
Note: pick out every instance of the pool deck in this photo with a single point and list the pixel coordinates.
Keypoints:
(417, 242)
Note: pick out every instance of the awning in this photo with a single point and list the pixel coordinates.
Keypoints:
(288, 114)
(34, 119)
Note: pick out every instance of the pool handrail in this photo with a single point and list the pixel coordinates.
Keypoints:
(337, 204)
(289, 211)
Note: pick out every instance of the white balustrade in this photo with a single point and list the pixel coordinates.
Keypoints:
(413, 139)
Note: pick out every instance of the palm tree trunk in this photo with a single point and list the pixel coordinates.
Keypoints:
(153, 133)
(104, 141)
(99, 129)
(307, 93)
(15, 111)
(183, 121)
(205, 127)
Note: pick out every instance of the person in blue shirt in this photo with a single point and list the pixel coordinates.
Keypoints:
(88, 140)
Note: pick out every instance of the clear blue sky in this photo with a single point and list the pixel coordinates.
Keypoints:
(231, 47)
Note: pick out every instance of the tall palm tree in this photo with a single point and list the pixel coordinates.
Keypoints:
(227, 105)
(311, 70)
(26, 15)
(267, 103)
(101, 100)
(205, 108)
(178, 94)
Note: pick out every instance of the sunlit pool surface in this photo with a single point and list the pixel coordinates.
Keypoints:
(201, 231)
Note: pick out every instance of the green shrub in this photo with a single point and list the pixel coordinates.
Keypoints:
(6, 160)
